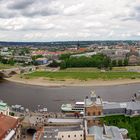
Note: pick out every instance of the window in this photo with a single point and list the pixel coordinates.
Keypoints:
(74, 135)
(69, 136)
(88, 113)
(62, 136)
(93, 113)
(99, 113)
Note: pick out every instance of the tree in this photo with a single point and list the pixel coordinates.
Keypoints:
(54, 64)
(36, 56)
(64, 56)
(125, 62)
(11, 61)
(120, 62)
(110, 66)
(0, 58)
(99, 60)
(114, 63)
(4, 61)
(63, 65)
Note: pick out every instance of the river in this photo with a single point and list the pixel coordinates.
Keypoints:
(52, 97)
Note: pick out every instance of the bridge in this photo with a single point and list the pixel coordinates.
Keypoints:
(5, 73)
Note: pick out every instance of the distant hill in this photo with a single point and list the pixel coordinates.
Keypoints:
(67, 43)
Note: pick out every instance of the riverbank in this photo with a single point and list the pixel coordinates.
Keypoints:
(71, 82)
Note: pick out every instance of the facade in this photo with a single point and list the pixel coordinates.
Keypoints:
(71, 135)
(41, 61)
(134, 60)
(93, 107)
(74, 132)
(26, 59)
(4, 109)
(9, 128)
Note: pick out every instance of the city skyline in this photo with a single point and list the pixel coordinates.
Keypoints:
(60, 20)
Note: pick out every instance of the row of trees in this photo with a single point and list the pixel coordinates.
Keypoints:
(99, 61)
(120, 62)
(6, 61)
(12, 62)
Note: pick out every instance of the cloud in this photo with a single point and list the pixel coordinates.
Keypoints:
(46, 20)
(20, 4)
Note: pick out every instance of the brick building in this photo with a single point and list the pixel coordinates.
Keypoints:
(93, 109)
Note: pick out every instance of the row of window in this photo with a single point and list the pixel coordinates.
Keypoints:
(94, 121)
(94, 114)
(74, 136)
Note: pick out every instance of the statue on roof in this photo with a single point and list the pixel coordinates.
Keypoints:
(93, 94)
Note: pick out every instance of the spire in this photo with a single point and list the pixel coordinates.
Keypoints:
(93, 96)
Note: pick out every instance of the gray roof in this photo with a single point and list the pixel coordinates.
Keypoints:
(126, 105)
(112, 133)
(133, 105)
(114, 105)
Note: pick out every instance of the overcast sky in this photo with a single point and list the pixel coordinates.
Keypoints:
(62, 20)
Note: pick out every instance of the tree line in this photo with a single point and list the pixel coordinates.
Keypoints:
(99, 60)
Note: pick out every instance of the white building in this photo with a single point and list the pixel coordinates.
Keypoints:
(71, 135)
(4, 109)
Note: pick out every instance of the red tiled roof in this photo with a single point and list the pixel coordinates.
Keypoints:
(6, 123)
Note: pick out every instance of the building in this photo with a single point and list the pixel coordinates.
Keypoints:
(5, 52)
(106, 133)
(133, 60)
(26, 59)
(4, 109)
(41, 61)
(93, 107)
(9, 128)
(68, 132)
(87, 54)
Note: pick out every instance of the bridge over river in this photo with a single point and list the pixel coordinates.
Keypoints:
(5, 73)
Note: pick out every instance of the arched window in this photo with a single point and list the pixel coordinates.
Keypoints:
(88, 113)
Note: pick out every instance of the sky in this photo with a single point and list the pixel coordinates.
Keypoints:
(68, 20)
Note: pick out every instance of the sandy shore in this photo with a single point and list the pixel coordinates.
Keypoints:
(71, 82)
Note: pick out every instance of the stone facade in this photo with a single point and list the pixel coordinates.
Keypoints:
(93, 109)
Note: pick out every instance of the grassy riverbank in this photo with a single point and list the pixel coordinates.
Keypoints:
(132, 124)
(5, 66)
(83, 75)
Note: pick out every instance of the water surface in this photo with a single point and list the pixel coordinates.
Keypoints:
(52, 97)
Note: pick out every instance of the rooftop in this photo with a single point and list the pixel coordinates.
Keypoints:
(50, 133)
(6, 123)
(112, 133)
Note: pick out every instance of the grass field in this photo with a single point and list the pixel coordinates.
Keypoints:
(80, 69)
(5, 66)
(84, 75)
(132, 124)
(122, 69)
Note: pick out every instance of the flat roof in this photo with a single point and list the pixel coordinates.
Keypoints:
(80, 103)
(3, 104)
(50, 133)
